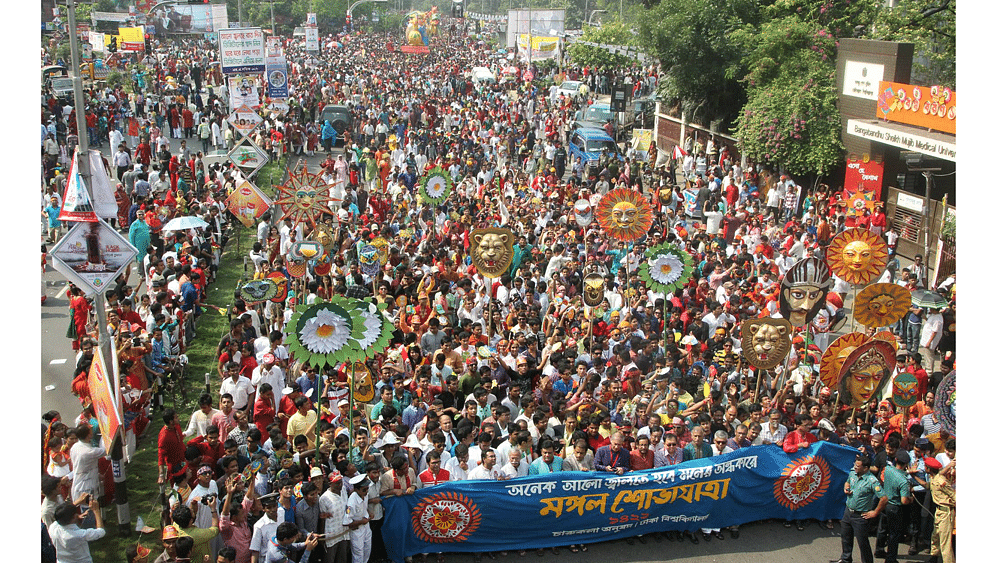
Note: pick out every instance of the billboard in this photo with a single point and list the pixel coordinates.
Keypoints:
(542, 47)
(242, 91)
(862, 184)
(189, 18)
(537, 22)
(131, 39)
(104, 391)
(931, 107)
(241, 50)
(312, 39)
(91, 255)
(277, 77)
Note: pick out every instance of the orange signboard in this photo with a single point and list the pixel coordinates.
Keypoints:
(931, 107)
(103, 392)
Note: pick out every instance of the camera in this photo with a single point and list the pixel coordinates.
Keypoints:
(136, 342)
(208, 499)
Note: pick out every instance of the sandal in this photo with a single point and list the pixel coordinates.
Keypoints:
(829, 524)
(583, 547)
(788, 524)
(440, 558)
(573, 549)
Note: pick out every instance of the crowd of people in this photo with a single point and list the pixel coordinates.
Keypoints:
(485, 378)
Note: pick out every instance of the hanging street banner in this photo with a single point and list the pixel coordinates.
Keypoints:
(241, 50)
(277, 77)
(575, 507)
(248, 203)
(248, 156)
(244, 120)
(91, 255)
(311, 19)
(76, 201)
(242, 91)
(312, 39)
(104, 392)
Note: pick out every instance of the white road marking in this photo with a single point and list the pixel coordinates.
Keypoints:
(57, 362)
(62, 291)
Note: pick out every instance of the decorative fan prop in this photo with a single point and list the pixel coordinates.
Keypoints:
(624, 214)
(666, 268)
(341, 330)
(435, 186)
(857, 256)
(881, 304)
(304, 197)
(865, 372)
(944, 402)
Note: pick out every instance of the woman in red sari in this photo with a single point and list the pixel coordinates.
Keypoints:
(124, 203)
(81, 315)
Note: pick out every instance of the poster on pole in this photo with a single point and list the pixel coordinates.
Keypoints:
(311, 19)
(77, 205)
(274, 47)
(248, 156)
(248, 203)
(242, 91)
(244, 120)
(97, 41)
(312, 39)
(241, 50)
(277, 77)
(92, 255)
(103, 392)
(131, 39)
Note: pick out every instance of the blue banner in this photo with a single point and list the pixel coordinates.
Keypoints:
(576, 507)
(277, 77)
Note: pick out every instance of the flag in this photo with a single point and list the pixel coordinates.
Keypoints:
(679, 153)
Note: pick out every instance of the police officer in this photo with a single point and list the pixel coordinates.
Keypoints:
(943, 494)
(897, 490)
(863, 490)
(356, 518)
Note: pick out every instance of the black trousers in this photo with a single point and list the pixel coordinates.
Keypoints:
(378, 545)
(852, 526)
(891, 529)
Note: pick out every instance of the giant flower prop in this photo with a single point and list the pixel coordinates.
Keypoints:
(857, 256)
(435, 186)
(341, 330)
(666, 268)
(624, 214)
(304, 197)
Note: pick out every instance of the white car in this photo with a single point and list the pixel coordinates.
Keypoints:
(571, 89)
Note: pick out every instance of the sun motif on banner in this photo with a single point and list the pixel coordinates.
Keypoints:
(446, 518)
(857, 256)
(304, 197)
(881, 304)
(801, 482)
(435, 185)
(666, 268)
(859, 201)
(624, 214)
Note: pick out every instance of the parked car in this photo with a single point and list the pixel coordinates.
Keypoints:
(571, 89)
(595, 116)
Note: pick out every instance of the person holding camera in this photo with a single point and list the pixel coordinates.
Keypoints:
(71, 541)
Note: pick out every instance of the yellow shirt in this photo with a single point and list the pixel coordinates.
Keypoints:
(298, 424)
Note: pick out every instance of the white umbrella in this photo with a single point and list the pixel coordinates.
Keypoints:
(184, 223)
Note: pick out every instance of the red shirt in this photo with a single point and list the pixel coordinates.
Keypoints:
(640, 462)
(428, 479)
(263, 414)
(170, 446)
(794, 438)
(598, 441)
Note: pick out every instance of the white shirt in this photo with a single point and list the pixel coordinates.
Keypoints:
(71, 542)
(481, 473)
(263, 531)
(241, 390)
(511, 472)
(275, 376)
(84, 458)
(357, 509)
(335, 505)
(455, 470)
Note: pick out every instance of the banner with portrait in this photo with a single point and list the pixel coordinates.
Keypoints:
(574, 507)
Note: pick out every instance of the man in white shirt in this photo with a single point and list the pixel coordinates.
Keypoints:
(83, 456)
(69, 540)
(238, 386)
(332, 507)
(267, 372)
(487, 470)
(514, 467)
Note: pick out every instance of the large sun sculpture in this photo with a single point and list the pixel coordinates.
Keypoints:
(666, 268)
(304, 197)
(624, 214)
(341, 330)
(435, 186)
(881, 304)
(857, 256)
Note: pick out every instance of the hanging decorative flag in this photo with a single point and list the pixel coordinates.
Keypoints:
(76, 201)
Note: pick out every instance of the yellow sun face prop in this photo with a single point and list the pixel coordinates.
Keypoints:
(857, 256)
(304, 197)
(624, 214)
(881, 304)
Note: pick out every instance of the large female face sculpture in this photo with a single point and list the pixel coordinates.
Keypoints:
(866, 372)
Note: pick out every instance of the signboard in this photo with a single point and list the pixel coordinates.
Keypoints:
(131, 39)
(92, 255)
(274, 47)
(248, 203)
(244, 120)
(574, 507)
(189, 18)
(907, 201)
(902, 139)
(861, 80)
(933, 107)
(103, 394)
(97, 41)
(76, 200)
(119, 17)
(312, 39)
(542, 47)
(248, 156)
(242, 91)
(277, 77)
(311, 19)
(241, 50)
(641, 139)
(279, 107)
(537, 22)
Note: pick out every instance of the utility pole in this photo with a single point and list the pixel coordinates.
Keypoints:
(104, 339)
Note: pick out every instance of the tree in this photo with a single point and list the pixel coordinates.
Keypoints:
(930, 26)
(691, 39)
(614, 32)
(790, 117)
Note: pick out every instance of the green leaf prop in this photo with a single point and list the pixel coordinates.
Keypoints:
(341, 330)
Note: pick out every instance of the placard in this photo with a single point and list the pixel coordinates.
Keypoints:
(312, 39)
(248, 156)
(248, 203)
(242, 91)
(861, 80)
(104, 390)
(277, 77)
(244, 120)
(92, 255)
(241, 50)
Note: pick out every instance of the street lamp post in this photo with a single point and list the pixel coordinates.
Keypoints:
(590, 19)
(104, 339)
(350, 11)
